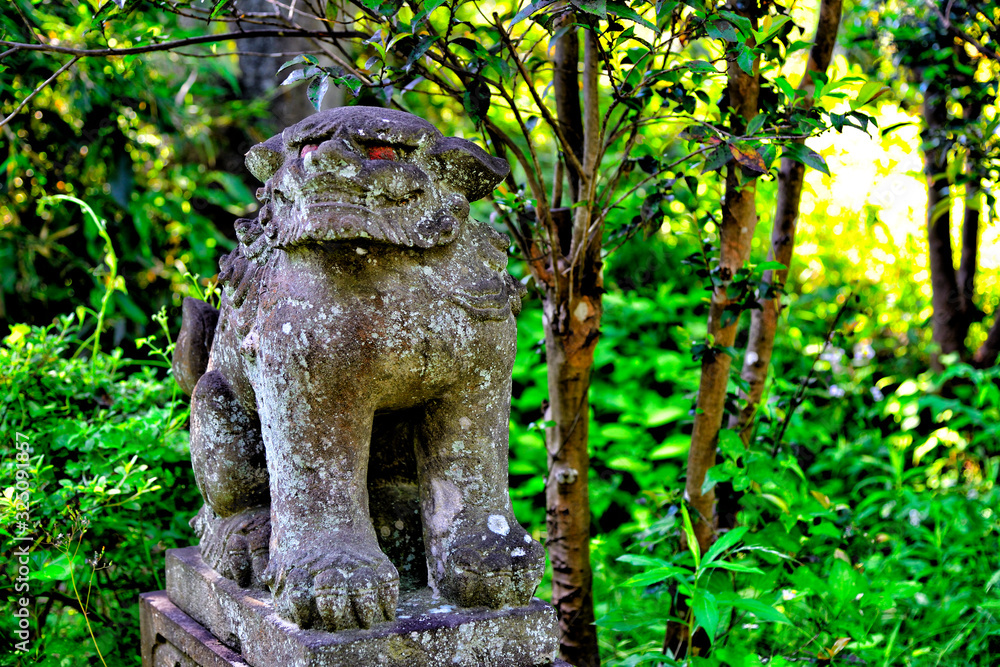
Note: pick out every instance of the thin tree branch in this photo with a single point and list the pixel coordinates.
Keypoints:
(189, 41)
(37, 90)
(544, 110)
(962, 35)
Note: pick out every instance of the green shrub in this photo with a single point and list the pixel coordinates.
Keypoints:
(109, 484)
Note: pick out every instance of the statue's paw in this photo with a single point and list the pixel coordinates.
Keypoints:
(496, 567)
(236, 546)
(334, 591)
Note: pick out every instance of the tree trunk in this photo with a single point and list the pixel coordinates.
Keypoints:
(258, 74)
(572, 327)
(739, 218)
(970, 247)
(946, 323)
(764, 322)
(566, 86)
(570, 358)
(968, 260)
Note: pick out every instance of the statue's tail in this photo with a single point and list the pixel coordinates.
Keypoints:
(194, 342)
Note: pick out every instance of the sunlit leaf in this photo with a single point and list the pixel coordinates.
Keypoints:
(807, 156)
(622, 10)
(527, 11)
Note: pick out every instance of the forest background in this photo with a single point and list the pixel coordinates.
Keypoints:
(857, 503)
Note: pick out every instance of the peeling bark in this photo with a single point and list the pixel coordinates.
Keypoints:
(573, 313)
(570, 359)
(764, 322)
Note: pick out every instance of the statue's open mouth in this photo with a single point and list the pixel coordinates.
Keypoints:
(319, 221)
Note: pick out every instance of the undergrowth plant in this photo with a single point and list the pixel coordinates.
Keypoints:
(108, 486)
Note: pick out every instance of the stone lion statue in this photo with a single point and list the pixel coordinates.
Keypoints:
(350, 398)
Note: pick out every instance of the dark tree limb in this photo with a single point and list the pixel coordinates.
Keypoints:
(566, 86)
(949, 326)
(177, 43)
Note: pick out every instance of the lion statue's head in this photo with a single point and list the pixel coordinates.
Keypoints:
(366, 172)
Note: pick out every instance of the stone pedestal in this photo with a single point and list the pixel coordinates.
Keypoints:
(205, 619)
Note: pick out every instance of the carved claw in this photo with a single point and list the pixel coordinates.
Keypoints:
(495, 567)
(334, 591)
(237, 546)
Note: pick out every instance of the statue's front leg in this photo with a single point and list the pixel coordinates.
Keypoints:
(227, 456)
(478, 554)
(326, 569)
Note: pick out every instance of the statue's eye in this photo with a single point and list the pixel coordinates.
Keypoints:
(381, 153)
(309, 148)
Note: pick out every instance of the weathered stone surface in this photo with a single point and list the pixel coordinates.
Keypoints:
(171, 638)
(349, 431)
(426, 632)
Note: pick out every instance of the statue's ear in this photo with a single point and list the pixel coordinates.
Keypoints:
(265, 158)
(467, 167)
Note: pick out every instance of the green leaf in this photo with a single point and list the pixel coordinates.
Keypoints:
(659, 574)
(706, 612)
(742, 23)
(734, 567)
(770, 28)
(429, 6)
(745, 58)
(58, 569)
(724, 543)
(642, 561)
(757, 123)
(622, 10)
(763, 612)
(317, 90)
(216, 11)
(701, 66)
(786, 88)
(869, 92)
(477, 100)
(716, 473)
(299, 60)
(720, 29)
(300, 74)
(595, 7)
(771, 266)
(691, 538)
(425, 43)
(528, 11)
(349, 81)
(807, 156)
(717, 158)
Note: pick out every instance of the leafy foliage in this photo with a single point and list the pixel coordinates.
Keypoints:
(108, 487)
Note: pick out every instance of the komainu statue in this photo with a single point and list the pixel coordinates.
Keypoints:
(350, 398)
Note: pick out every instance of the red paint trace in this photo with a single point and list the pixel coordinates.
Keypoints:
(381, 153)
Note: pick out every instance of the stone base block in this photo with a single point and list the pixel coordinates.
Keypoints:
(217, 623)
